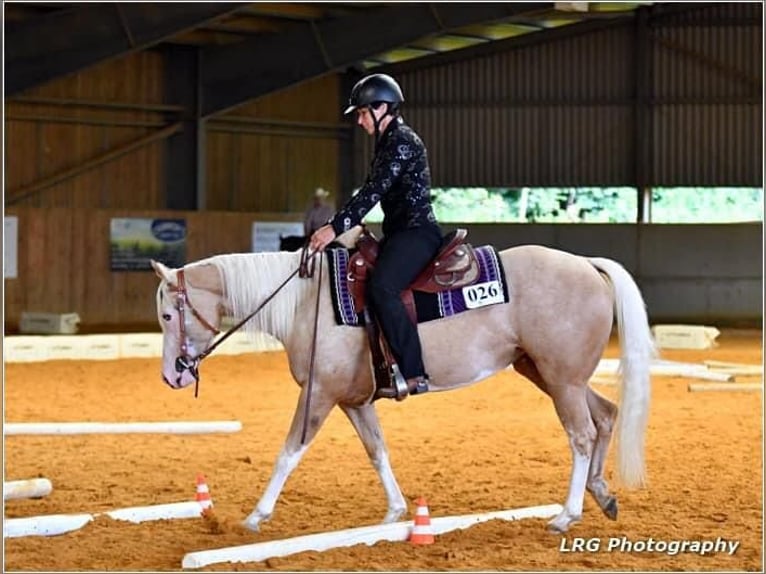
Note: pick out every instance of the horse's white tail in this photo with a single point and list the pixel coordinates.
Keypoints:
(638, 350)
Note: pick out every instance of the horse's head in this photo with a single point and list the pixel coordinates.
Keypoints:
(189, 309)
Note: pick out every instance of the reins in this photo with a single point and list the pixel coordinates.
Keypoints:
(310, 273)
(305, 269)
(239, 325)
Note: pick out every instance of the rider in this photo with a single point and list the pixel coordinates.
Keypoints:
(400, 180)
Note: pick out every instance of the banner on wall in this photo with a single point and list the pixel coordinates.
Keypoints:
(268, 234)
(10, 247)
(134, 242)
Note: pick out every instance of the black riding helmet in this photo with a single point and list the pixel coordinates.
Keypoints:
(373, 89)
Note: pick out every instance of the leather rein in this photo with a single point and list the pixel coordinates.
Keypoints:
(185, 362)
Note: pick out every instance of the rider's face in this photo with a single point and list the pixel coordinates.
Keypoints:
(364, 118)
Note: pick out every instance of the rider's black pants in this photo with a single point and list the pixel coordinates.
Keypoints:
(402, 256)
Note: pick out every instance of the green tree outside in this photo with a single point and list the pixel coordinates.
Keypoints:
(592, 205)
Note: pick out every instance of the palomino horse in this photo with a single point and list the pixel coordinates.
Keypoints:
(553, 331)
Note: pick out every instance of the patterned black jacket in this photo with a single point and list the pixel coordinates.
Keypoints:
(399, 178)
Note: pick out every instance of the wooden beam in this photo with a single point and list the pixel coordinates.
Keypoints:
(241, 24)
(286, 10)
(206, 36)
(98, 104)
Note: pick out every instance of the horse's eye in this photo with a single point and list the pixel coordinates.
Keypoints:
(166, 317)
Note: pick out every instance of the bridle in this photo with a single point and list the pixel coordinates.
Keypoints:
(184, 361)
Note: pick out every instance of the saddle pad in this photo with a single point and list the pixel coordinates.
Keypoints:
(488, 289)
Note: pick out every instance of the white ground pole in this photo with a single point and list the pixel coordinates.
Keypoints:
(395, 532)
(31, 488)
(670, 369)
(724, 365)
(185, 427)
(53, 524)
(49, 525)
(725, 387)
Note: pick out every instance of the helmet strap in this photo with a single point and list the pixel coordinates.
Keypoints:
(376, 121)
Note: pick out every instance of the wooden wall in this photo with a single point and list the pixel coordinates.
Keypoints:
(63, 263)
(267, 155)
(49, 135)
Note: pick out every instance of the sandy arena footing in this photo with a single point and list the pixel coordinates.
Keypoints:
(497, 444)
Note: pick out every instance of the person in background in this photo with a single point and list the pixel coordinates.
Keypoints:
(400, 179)
(319, 213)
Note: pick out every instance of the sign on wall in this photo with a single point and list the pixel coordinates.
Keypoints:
(10, 247)
(267, 234)
(134, 242)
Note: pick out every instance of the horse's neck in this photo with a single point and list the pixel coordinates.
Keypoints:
(250, 279)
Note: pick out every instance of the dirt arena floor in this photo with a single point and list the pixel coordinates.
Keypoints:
(496, 445)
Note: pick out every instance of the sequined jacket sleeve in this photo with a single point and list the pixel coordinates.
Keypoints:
(399, 178)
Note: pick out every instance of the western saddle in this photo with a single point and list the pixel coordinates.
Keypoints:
(454, 266)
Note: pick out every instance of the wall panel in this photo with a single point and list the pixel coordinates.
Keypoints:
(707, 68)
(257, 172)
(63, 263)
(21, 144)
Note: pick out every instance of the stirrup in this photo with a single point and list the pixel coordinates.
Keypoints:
(398, 389)
(399, 384)
(413, 386)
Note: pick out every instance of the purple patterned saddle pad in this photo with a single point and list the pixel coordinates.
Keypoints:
(489, 289)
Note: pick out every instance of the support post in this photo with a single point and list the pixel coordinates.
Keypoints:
(185, 151)
(642, 116)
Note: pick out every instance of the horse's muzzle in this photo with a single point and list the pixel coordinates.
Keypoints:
(187, 372)
(184, 363)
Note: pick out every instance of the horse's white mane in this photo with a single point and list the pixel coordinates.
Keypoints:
(249, 278)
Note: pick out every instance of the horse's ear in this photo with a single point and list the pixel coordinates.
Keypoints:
(162, 271)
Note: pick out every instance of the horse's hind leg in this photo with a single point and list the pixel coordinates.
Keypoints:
(365, 421)
(597, 412)
(604, 413)
(572, 407)
(291, 454)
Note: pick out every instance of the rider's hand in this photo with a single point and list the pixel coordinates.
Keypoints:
(322, 237)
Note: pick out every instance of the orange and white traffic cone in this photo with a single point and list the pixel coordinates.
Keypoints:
(422, 533)
(203, 492)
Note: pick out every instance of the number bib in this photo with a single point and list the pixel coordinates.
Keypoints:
(482, 294)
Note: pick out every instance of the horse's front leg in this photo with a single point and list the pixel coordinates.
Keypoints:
(291, 453)
(365, 421)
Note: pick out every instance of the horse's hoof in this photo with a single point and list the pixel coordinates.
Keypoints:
(556, 529)
(611, 509)
(252, 526)
(253, 522)
(562, 522)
